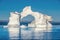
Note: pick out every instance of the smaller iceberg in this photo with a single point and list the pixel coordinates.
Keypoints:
(14, 20)
(23, 26)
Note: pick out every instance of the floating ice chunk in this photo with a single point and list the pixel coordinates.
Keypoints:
(23, 26)
(5, 26)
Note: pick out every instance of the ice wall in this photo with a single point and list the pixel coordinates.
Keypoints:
(14, 18)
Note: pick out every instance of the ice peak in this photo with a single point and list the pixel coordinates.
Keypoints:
(27, 8)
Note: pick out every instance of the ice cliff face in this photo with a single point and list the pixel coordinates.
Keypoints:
(14, 18)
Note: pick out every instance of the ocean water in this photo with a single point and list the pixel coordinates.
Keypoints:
(29, 34)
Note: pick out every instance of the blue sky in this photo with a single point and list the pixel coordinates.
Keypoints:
(49, 7)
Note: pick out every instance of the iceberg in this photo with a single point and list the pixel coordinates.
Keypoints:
(40, 24)
(41, 21)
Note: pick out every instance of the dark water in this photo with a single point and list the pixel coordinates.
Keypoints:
(53, 35)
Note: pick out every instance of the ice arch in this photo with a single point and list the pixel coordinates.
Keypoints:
(41, 20)
(28, 18)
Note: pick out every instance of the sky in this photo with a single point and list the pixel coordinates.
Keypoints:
(48, 7)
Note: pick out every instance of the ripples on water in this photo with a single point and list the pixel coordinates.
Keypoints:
(28, 33)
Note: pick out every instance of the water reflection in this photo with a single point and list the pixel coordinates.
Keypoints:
(13, 33)
(29, 33)
(16, 33)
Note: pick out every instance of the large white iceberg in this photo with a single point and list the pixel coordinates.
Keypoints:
(38, 26)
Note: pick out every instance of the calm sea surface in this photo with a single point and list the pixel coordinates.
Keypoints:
(25, 34)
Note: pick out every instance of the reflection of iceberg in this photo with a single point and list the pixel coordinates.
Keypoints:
(13, 33)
